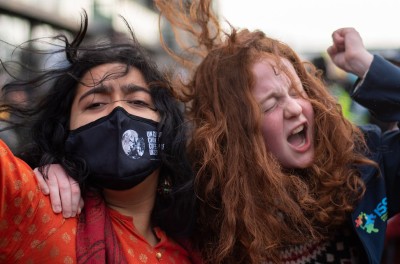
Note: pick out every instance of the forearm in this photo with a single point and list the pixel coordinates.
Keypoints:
(380, 90)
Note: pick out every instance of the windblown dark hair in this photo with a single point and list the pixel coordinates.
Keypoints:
(172, 212)
(250, 208)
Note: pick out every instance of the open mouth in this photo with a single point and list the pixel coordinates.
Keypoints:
(298, 136)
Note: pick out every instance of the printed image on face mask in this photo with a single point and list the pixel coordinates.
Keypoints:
(133, 145)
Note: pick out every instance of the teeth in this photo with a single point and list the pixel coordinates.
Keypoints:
(298, 129)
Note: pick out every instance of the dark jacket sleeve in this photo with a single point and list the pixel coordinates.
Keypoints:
(380, 90)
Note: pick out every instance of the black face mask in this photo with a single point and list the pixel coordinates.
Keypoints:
(120, 149)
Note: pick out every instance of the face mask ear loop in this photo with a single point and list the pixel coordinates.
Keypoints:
(160, 129)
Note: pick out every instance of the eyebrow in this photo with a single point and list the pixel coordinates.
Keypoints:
(105, 89)
(270, 95)
(132, 88)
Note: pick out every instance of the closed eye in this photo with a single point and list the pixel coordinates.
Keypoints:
(294, 93)
(270, 104)
(96, 105)
(140, 104)
(297, 90)
(269, 107)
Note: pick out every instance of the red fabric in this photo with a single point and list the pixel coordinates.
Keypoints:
(391, 252)
(96, 240)
(393, 227)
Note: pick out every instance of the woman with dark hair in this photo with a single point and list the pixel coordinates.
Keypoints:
(110, 98)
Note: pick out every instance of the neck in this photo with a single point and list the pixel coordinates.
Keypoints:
(137, 203)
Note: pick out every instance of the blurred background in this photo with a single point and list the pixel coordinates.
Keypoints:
(21, 20)
(305, 25)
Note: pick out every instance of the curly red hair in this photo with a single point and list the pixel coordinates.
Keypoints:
(249, 206)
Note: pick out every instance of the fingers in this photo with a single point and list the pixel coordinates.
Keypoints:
(55, 189)
(338, 44)
(343, 48)
(76, 199)
(81, 204)
(332, 50)
(42, 183)
(338, 38)
(64, 192)
(349, 52)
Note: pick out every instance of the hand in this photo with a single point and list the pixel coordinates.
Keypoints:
(65, 194)
(348, 52)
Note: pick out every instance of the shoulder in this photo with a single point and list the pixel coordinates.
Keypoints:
(372, 134)
(27, 215)
(15, 173)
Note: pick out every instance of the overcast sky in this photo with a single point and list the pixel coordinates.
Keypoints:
(307, 25)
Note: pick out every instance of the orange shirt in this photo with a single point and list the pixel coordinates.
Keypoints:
(31, 233)
(136, 248)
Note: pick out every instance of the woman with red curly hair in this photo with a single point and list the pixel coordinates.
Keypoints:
(282, 175)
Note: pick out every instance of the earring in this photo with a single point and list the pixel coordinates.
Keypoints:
(164, 188)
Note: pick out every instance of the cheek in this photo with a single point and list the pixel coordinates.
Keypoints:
(271, 131)
(79, 118)
(308, 111)
(73, 118)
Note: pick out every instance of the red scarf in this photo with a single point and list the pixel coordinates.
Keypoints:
(96, 241)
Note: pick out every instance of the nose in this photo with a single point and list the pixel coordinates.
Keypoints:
(114, 104)
(292, 108)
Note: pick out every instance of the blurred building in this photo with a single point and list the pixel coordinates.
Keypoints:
(22, 20)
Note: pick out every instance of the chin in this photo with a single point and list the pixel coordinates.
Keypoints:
(301, 164)
(307, 163)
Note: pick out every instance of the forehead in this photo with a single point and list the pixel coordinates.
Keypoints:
(270, 68)
(113, 73)
(269, 73)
